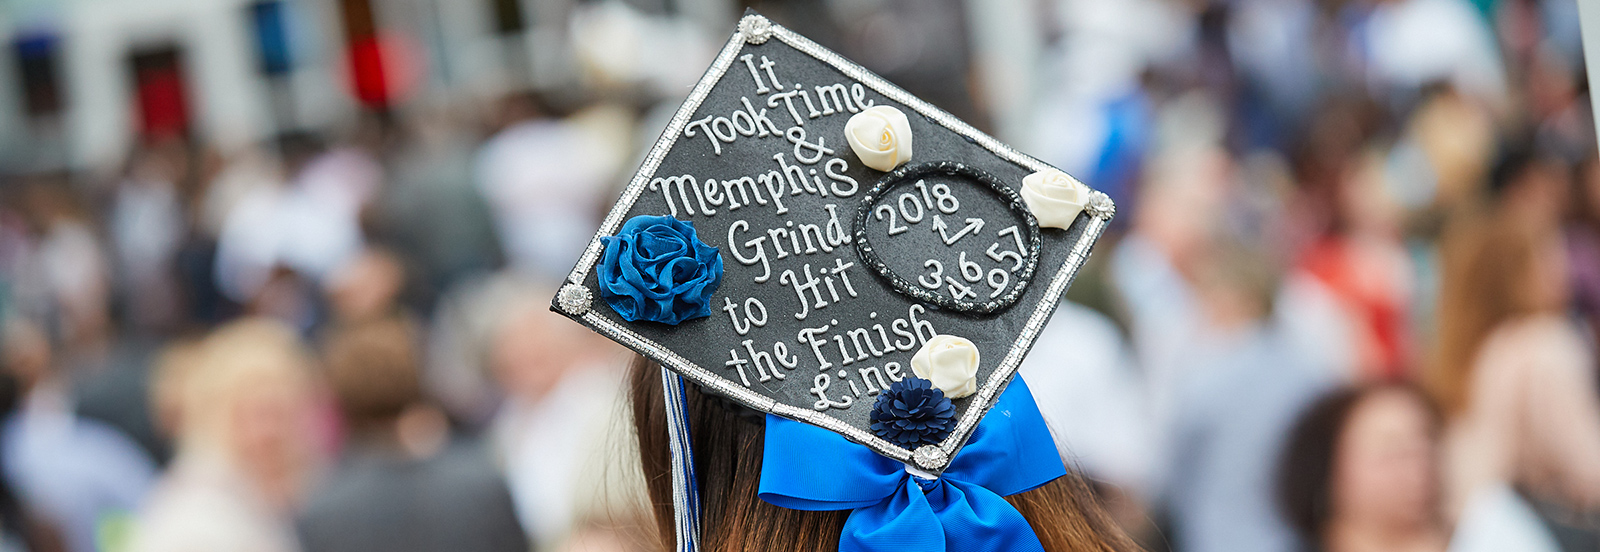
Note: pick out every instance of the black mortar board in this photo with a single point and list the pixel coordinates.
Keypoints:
(942, 244)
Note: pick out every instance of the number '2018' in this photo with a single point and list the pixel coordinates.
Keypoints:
(913, 207)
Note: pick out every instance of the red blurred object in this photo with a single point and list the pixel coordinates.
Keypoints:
(159, 89)
(1355, 276)
(383, 69)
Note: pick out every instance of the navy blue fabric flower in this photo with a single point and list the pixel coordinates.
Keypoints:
(913, 412)
(655, 269)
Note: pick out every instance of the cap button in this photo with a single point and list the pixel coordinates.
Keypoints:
(755, 29)
(574, 299)
(930, 457)
(1100, 205)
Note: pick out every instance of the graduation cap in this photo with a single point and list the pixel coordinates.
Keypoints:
(815, 243)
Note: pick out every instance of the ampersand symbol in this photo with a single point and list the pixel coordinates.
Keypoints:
(797, 136)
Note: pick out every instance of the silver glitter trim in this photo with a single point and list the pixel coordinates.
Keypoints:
(574, 299)
(986, 395)
(755, 29)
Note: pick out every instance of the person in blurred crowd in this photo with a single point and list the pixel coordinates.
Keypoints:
(148, 222)
(1360, 473)
(1513, 375)
(560, 428)
(545, 179)
(227, 178)
(402, 485)
(1444, 155)
(1360, 259)
(59, 274)
(1244, 380)
(1230, 348)
(242, 174)
(461, 326)
(280, 242)
(243, 451)
(21, 529)
(432, 181)
(1151, 265)
(1354, 247)
(84, 477)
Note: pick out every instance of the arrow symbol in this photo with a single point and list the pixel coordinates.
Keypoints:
(973, 225)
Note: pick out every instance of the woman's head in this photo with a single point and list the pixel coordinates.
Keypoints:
(727, 442)
(1362, 456)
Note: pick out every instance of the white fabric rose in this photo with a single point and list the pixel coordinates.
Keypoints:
(880, 136)
(951, 363)
(1054, 198)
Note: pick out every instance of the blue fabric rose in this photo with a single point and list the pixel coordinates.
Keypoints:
(655, 269)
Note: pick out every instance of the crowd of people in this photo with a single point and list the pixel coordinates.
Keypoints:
(1350, 301)
(1351, 294)
(315, 347)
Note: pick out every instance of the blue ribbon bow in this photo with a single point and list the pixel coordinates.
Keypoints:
(809, 468)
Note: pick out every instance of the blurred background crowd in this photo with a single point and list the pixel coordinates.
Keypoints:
(274, 274)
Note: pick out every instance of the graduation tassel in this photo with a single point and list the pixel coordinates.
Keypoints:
(685, 492)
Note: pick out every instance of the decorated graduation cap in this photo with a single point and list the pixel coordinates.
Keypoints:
(814, 243)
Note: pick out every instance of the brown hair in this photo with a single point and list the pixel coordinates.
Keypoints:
(727, 453)
(372, 368)
(1488, 278)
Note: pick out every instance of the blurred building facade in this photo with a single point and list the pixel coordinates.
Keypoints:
(88, 78)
